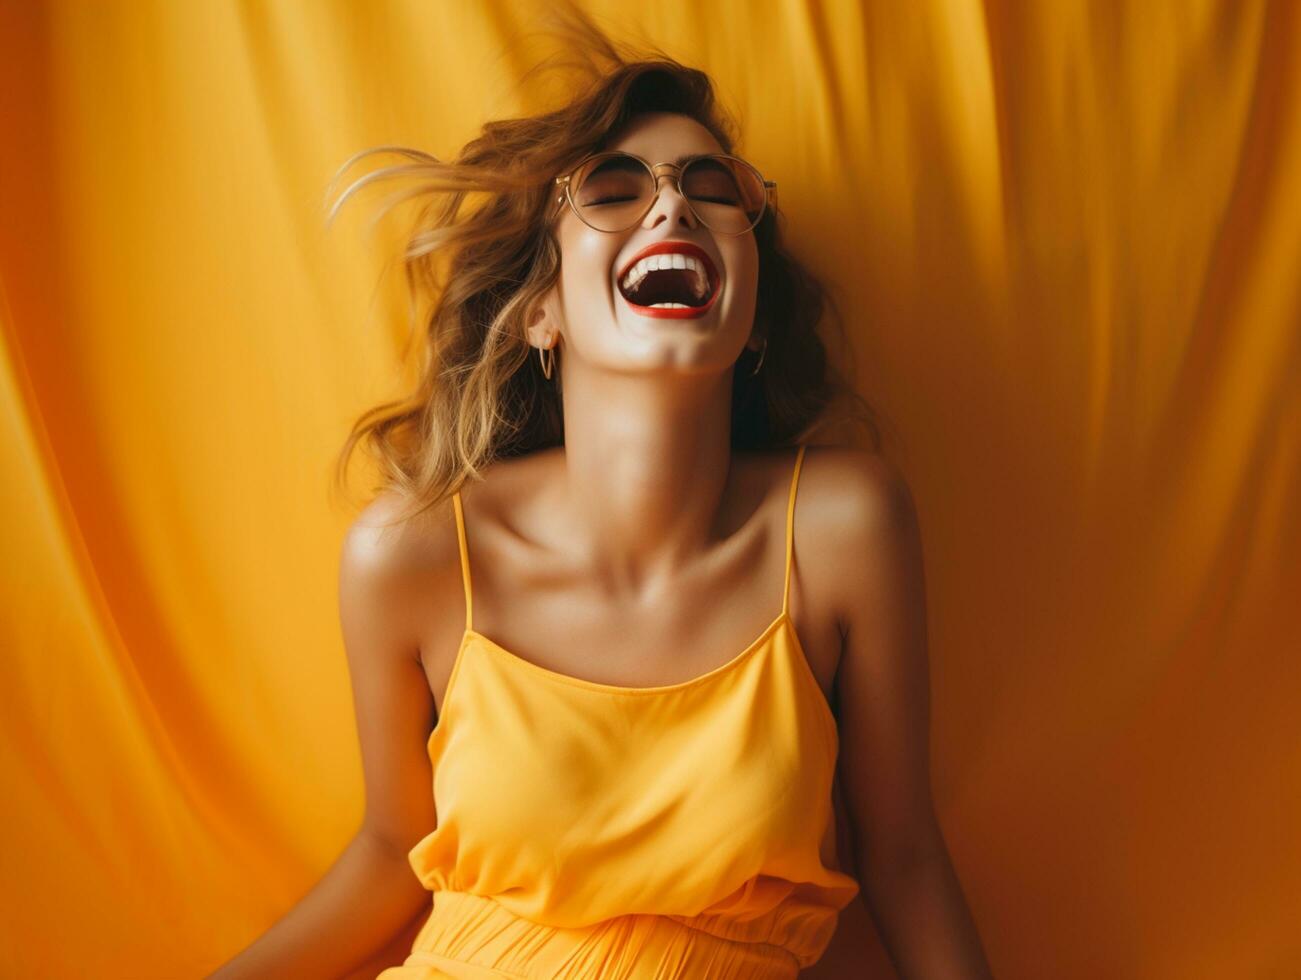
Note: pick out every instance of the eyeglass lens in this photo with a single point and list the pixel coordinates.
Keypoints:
(612, 192)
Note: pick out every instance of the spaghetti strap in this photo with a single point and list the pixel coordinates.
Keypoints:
(465, 560)
(790, 529)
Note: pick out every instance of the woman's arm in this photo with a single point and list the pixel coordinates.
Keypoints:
(883, 700)
(370, 893)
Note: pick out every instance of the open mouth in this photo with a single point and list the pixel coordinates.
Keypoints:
(676, 282)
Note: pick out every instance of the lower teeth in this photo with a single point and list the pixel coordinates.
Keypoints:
(670, 306)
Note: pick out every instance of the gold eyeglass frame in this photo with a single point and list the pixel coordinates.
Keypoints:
(659, 171)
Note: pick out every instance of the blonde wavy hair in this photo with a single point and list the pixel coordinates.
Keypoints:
(480, 395)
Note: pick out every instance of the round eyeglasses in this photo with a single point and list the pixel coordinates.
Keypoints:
(613, 191)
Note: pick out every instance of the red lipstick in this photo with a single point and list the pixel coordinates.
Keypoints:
(670, 313)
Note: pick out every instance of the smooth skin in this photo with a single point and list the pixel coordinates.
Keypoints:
(648, 539)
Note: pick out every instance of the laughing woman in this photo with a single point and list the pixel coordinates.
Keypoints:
(612, 605)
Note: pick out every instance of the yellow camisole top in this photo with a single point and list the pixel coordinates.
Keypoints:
(589, 830)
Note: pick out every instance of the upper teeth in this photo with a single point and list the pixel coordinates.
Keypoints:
(667, 260)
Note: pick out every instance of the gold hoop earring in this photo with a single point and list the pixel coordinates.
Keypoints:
(762, 351)
(548, 363)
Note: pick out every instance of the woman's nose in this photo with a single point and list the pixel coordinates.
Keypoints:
(669, 203)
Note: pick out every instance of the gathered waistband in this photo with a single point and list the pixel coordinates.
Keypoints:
(471, 936)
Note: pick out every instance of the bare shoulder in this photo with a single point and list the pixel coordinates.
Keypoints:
(862, 522)
(390, 557)
(385, 540)
(859, 485)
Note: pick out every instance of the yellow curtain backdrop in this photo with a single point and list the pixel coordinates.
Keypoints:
(1066, 237)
